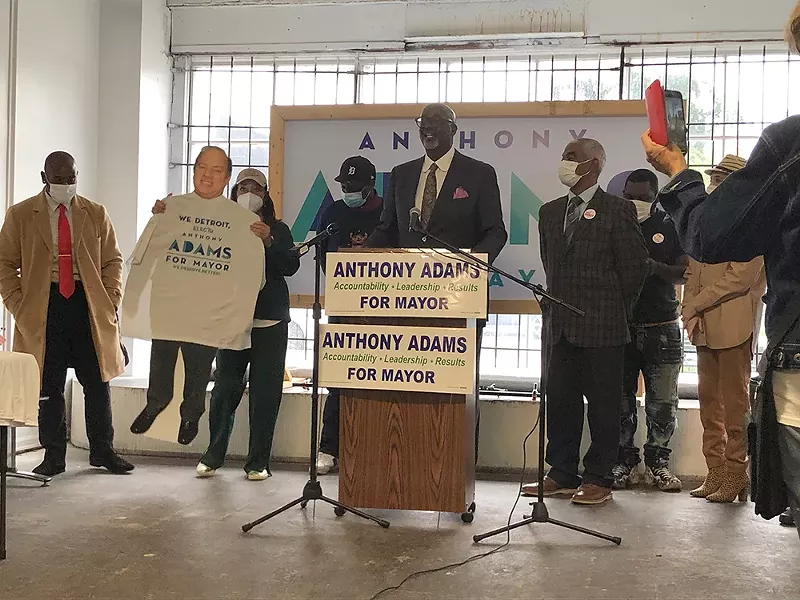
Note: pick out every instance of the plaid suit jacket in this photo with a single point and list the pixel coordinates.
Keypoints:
(601, 271)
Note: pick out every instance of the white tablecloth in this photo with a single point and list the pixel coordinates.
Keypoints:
(19, 390)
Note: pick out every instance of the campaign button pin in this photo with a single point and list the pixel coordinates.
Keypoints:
(589, 214)
(658, 238)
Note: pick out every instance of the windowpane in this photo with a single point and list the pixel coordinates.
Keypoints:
(732, 93)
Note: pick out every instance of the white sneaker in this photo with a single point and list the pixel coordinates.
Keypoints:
(205, 471)
(325, 463)
(258, 475)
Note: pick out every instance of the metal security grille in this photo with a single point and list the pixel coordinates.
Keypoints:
(732, 93)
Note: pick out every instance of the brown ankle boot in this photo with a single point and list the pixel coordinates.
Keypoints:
(733, 485)
(711, 484)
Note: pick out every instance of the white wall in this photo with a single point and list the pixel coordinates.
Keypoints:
(135, 96)
(6, 41)
(118, 139)
(57, 58)
(155, 103)
(312, 25)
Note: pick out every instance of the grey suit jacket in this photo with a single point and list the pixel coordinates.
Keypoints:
(601, 271)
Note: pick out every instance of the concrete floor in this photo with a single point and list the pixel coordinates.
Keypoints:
(162, 534)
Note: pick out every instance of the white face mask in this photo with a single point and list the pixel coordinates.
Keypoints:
(250, 201)
(567, 174)
(63, 194)
(642, 210)
(711, 187)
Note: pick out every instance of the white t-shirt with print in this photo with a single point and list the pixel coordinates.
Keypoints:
(195, 275)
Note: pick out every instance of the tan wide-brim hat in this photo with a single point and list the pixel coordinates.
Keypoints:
(728, 165)
(254, 175)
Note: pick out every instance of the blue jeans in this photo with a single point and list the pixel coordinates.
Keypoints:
(656, 352)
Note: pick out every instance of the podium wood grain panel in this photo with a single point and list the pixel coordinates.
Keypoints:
(406, 450)
(402, 451)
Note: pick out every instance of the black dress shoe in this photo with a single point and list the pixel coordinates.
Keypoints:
(49, 468)
(787, 518)
(143, 422)
(113, 462)
(187, 432)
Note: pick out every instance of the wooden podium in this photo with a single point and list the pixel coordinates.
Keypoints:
(408, 450)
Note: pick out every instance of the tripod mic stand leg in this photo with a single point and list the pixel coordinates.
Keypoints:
(488, 534)
(340, 509)
(597, 534)
(247, 527)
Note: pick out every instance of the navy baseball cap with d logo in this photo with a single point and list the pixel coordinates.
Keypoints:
(356, 168)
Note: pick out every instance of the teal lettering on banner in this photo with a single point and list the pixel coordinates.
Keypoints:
(524, 205)
(308, 212)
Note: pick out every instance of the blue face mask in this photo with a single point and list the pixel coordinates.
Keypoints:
(354, 199)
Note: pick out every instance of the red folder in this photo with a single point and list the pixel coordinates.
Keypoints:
(657, 113)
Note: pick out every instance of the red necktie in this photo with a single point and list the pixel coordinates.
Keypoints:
(66, 282)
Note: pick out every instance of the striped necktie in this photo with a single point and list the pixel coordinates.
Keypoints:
(573, 216)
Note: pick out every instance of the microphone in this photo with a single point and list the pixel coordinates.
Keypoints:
(414, 223)
(301, 249)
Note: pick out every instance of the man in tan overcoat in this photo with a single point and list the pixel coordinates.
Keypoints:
(721, 306)
(61, 278)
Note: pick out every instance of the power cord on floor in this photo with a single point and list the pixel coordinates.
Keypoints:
(483, 554)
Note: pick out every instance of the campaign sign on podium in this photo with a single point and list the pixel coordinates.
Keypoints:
(413, 283)
(403, 352)
(386, 357)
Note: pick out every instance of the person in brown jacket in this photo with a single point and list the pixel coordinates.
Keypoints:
(61, 278)
(721, 304)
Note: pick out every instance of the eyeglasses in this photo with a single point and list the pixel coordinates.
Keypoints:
(435, 122)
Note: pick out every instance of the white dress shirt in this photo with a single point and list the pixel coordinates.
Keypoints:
(585, 197)
(52, 207)
(443, 166)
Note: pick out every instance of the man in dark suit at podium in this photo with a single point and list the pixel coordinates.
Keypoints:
(595, 258)
(458, 198)
(457, 195)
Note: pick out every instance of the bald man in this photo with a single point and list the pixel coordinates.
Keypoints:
(595, 258)
(61, 278)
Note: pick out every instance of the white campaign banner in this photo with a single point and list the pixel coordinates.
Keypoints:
(523, 142)
(386, 357)
(416, 283)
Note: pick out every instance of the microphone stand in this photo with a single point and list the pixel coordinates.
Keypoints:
(540, 513)
(313, 488)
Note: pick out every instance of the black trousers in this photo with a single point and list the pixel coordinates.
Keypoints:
(69, 343)
(197, 361)
(595, 373)
(267, 360)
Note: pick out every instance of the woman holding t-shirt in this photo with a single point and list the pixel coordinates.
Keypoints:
(267, 353)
